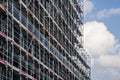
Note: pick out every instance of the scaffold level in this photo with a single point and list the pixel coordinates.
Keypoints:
(42, 40)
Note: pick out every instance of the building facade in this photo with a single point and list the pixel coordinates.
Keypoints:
(42, 40)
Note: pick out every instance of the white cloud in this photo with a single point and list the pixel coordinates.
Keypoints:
(112, 74)
(98, 40)
(109, 60)
(105, 51)
(108, 12)
(102, 44)
(88, 6)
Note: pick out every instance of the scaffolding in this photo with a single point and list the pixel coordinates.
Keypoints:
(38, 40)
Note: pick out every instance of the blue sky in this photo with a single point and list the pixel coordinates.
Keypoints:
(102, 37)
(112, 22)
